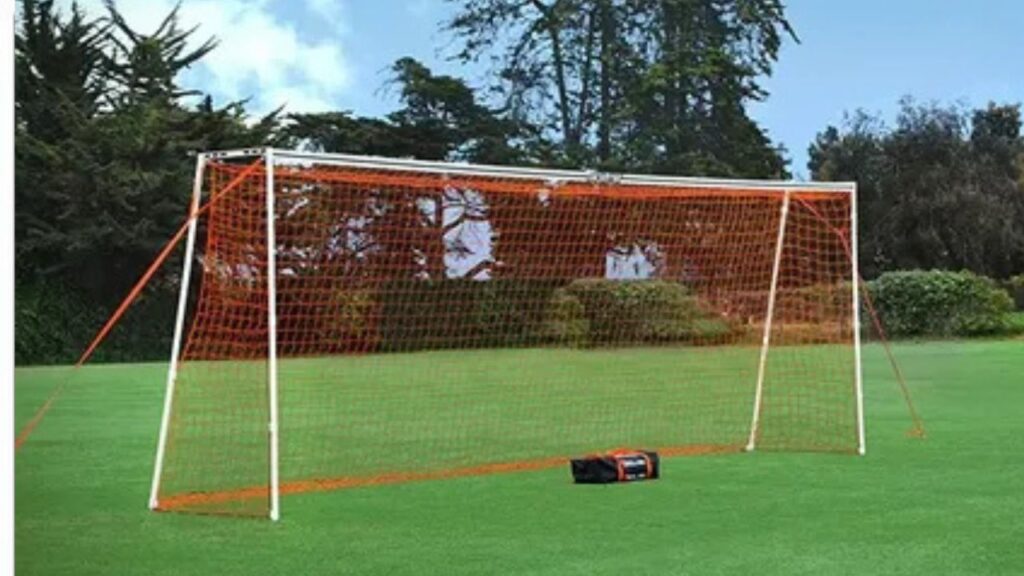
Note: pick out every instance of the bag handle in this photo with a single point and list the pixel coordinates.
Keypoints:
(621, 469)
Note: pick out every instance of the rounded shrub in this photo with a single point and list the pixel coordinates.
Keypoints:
(1015, 286)
(600, 312)
(940, 303)
(566, 320)
(459, 313)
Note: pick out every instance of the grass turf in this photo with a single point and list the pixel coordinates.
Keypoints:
(950, 504)
(354, 418)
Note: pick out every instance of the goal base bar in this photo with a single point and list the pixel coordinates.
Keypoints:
(194, 502)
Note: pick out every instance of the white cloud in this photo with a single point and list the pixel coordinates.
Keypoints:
(330, 11)
(260, 55)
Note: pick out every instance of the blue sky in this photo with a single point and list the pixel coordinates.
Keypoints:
(868, 53)
(332, 54)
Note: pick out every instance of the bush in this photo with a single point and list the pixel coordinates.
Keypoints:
(418, 314)
(599, 312)
(566, 321)
(1015, 324)
(53, 324)
(940, 303)
(47, 325)
(1015, 286)
(459, 313)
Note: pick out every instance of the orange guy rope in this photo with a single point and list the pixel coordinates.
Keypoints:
(38, 416)
(917, 429)
(130, 298)
(159, 260)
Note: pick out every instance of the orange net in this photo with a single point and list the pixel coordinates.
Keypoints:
(434, 325)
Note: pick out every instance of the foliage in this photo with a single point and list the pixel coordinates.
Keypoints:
(346, 317)
(440, 119)
(461, 313)
(103, 136)
(565, 320)
(110, 174)
(940, 303)
(418, 314)
(649, 85)
(58, 65)
(104, 131)
(943, 189)
(599, 312)
(54, 323)
(1015, 286)
(48, 325)
(1015, 324)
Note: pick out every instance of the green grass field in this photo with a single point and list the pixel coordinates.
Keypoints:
(950, 504)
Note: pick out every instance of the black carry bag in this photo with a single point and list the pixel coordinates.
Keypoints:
(617, 466)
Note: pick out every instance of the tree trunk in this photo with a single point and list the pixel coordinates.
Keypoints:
(604, 128)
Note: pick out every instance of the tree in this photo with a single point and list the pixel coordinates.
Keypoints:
(997, 152)
(103, 136)
(440, 119)
(102, 144)
(58, 88)
(942, 189)
(559, 66)
(857, 154)
(145, 66)
(58, 76)
(651, 85)
(414, 233)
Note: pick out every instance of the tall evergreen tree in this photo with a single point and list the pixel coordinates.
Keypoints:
(103, 139)
(440, 118)
(653, 85)
(103, 136)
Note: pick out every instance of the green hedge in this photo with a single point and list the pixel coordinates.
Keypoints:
(1015, 286)
(1015, 324)
(940, 303)
(54, 323)
(420, 314)
(598, 312)
(416, 315)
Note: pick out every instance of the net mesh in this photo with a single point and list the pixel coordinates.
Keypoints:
(434, 325)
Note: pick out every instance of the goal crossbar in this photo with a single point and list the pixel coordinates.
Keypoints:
(529, 173)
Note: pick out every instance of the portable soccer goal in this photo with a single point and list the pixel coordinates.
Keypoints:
(360, 320)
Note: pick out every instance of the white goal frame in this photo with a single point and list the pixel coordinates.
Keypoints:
(270, 157)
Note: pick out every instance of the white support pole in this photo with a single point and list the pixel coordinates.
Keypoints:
(858, 376)
(179, 325)
(766, 338)
(272, 428)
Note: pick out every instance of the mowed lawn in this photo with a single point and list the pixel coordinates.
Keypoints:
(950, 504)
